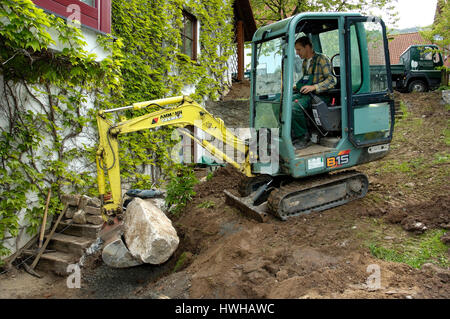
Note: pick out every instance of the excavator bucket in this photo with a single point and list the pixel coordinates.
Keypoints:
(246, 206)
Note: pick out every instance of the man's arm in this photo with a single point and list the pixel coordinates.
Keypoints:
(329, 82)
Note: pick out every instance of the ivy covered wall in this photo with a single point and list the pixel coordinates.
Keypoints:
(49, 98)
(154, 67)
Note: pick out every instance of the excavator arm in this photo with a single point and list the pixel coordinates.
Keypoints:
(187, 113)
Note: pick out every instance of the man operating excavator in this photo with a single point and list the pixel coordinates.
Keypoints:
(318, 78)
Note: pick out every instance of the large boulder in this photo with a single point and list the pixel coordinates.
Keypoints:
(148, 232)
(116, 255)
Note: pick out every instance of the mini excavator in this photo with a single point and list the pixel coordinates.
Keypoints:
(349, 125)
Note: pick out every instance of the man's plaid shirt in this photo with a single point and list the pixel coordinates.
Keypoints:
(323, 79)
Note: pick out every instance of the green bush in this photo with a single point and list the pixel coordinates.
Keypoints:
(180, 189)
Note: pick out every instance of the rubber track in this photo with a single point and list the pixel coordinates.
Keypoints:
(276, 197)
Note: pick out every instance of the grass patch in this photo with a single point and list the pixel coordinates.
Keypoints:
(446, 134)
(415, 251)
(410, 167)
(409, 124)
(180, 262)
(404, 110)
(206, 204)
(375, 197)
(209, 176)
(441, 158)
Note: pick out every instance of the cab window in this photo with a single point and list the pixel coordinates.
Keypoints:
(330, 42)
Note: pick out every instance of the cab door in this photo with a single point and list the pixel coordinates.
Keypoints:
(370, 104)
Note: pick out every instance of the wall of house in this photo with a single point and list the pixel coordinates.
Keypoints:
(87, 136)
(90, 37)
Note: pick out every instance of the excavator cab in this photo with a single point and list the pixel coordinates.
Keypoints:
(349, 124)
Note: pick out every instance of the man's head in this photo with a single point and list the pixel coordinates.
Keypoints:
(303, 48)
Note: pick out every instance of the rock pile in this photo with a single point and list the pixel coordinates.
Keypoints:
(145, 235)
(83, 209)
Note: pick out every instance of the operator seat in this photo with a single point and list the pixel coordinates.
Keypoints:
(328, 116)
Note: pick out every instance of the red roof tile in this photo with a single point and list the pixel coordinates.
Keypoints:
(400, 42)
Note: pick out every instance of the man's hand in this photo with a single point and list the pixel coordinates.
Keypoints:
(307, 89)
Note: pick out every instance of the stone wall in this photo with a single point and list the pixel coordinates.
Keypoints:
(83, 209)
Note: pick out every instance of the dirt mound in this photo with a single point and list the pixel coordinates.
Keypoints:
(423, 103)
(315, 256)
(433, 214)
(239, 91)
(223, 178)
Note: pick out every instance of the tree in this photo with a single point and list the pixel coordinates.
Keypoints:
(268, 11)
(439, 32)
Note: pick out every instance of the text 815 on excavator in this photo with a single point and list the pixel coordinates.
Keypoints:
(349, 125)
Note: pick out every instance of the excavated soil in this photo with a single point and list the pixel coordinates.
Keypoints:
(239, 91)
(322, 255)
(315, 256)
(224, 254)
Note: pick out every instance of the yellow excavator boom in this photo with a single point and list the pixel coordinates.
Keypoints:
(187, 113)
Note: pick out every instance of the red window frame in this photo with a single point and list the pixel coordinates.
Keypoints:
(98, 17)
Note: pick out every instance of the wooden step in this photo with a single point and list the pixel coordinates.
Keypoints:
(79, 230)
(69, 244)
(56, 262)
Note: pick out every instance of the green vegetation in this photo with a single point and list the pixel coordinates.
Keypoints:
(266, 11)
(439, 32)
(440, 158)
(43, 109)
(161, 69)
(446, 134)
(180, 189)
(38, 147)
(209, 176)
(206, 204)
(404, 110)
(180, 262)
(415, 251)
(411, 167)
